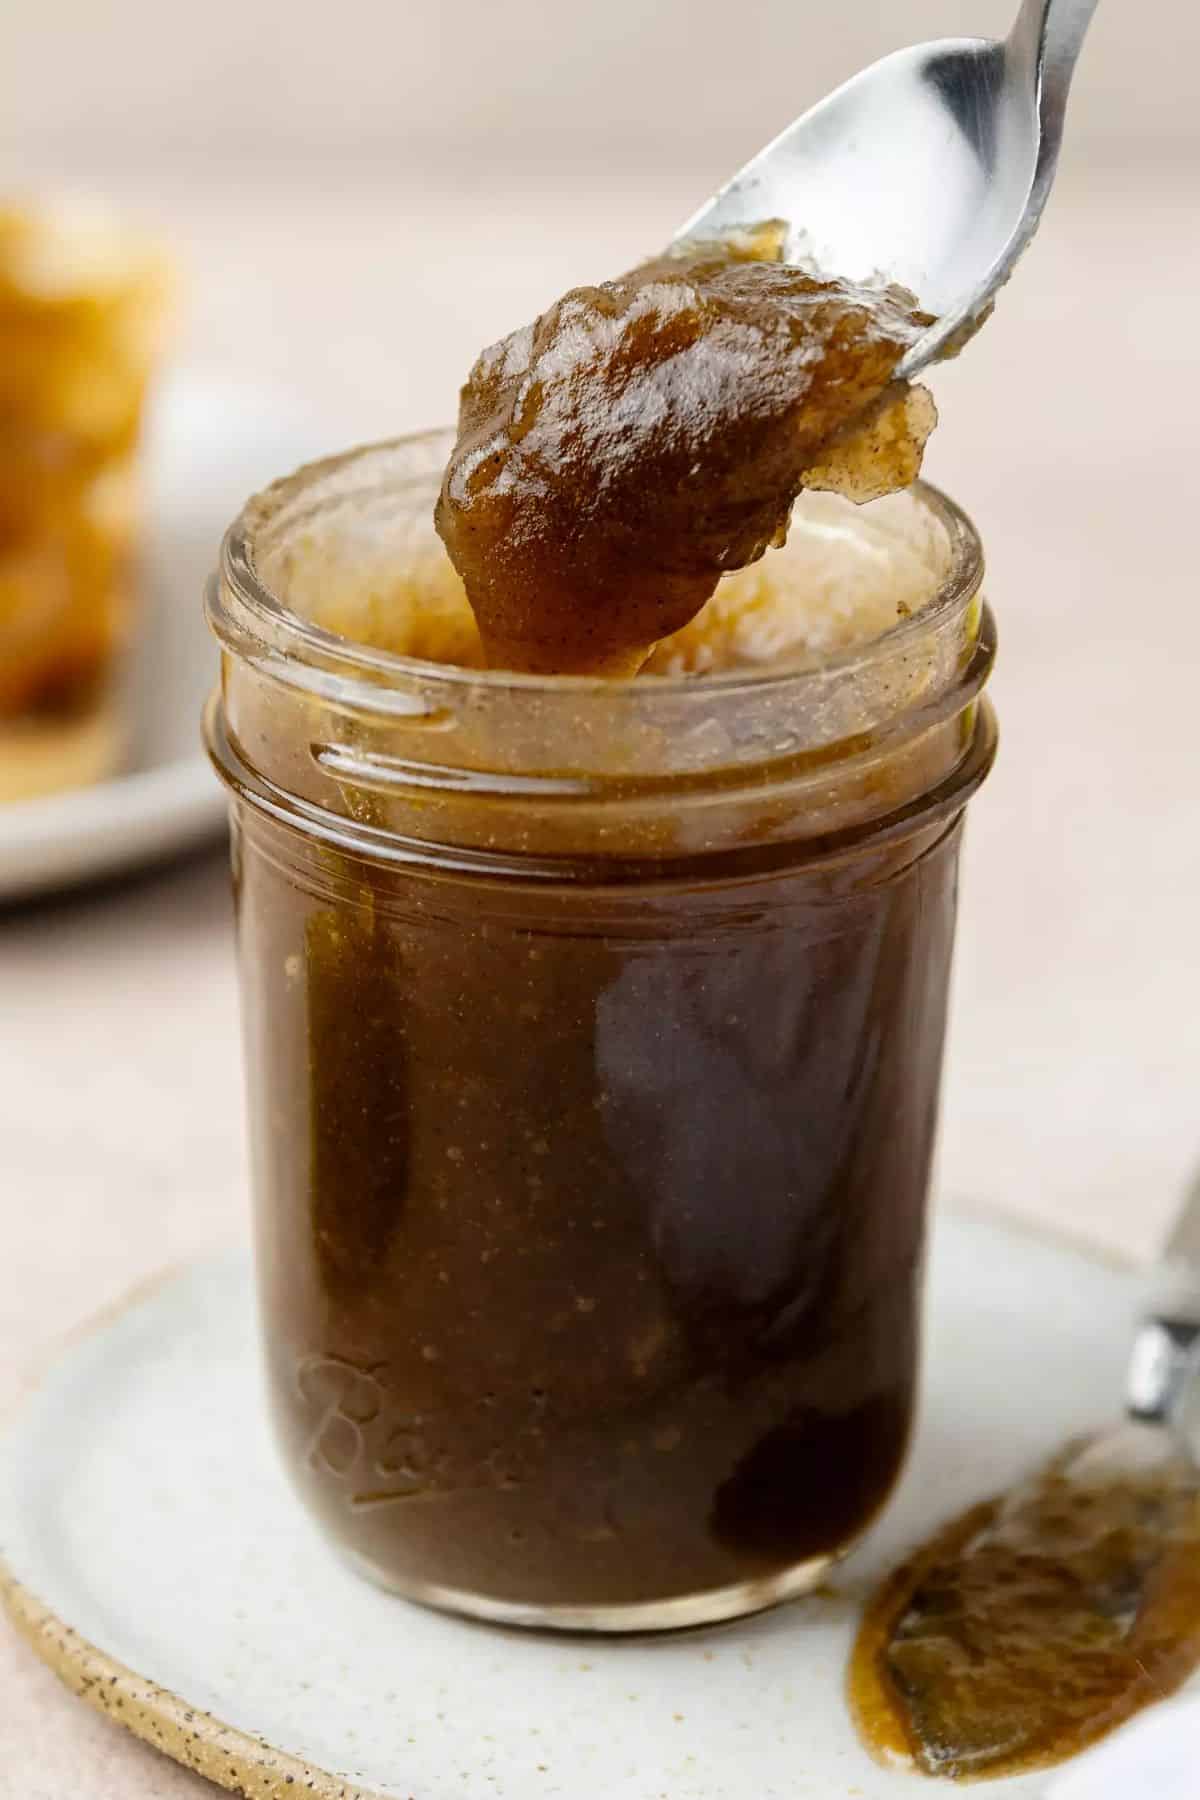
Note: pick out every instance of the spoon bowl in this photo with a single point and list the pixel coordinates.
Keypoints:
(930, 169)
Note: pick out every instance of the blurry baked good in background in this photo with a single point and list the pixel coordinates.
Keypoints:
(85, 305)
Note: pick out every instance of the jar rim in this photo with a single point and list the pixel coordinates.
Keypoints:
(315, 657)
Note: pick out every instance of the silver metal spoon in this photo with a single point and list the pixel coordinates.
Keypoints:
(1163, 1387)
(930, 169)
(1103, 1529)
(1162, 1390)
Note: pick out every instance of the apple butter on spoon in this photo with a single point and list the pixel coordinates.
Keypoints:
(643, 438)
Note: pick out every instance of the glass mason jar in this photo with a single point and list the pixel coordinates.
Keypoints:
(593, 1040)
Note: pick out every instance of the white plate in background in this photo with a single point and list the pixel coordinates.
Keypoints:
(211, 441)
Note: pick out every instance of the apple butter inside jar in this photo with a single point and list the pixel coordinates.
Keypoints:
(593, 1038)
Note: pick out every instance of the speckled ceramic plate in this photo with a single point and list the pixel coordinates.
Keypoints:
(153, 1556)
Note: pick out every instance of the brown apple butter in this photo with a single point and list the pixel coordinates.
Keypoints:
(1035, 1624)
(643, 438)
(594, 1028)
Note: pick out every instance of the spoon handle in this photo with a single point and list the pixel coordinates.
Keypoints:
(1047, 38)
(1166, 1350)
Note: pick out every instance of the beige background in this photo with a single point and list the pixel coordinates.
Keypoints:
(362, 195)
(508, 78)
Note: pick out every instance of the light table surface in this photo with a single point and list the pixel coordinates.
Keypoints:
(1068, 431)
